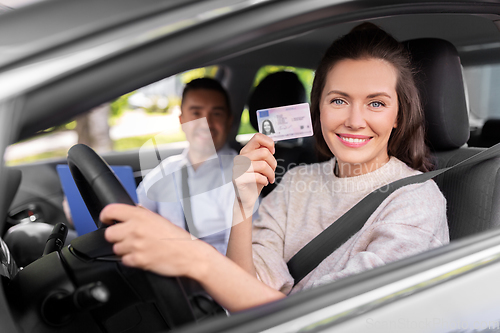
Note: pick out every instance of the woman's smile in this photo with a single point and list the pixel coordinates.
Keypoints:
(354, 141)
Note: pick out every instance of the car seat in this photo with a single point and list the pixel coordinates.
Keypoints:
(280, 89)
(473, 199)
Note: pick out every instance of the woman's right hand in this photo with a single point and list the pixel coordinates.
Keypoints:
(253, 169)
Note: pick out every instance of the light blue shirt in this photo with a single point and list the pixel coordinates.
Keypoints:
(211, 194)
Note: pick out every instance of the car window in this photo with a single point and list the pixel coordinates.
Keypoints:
(483, 84)
(123, 124)
(305, 75)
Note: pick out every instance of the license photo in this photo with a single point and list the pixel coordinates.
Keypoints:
(285, 122)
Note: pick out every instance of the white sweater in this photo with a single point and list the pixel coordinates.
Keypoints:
(310, 198)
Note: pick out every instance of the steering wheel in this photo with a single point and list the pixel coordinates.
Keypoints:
(55, 291)
(95, 180)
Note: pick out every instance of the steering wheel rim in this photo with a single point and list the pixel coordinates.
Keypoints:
(95, 180)
(99, 186)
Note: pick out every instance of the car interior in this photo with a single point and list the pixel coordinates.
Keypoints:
(440, 46)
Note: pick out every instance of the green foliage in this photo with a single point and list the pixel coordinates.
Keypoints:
(68, 126)
(245, 126)
(197, 73)
(71, 125)
(120, 105)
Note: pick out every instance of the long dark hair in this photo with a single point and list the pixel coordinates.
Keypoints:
(407, 140)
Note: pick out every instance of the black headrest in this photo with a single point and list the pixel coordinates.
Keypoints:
(490, 130)
(276, 89)
(442, 90)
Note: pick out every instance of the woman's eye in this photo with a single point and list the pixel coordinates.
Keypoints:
(377, 104)
(337, 101)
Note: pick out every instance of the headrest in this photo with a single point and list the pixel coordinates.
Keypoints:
(440, 81)
(490, 130)
(276, 89)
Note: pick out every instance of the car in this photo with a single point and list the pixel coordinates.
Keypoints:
(59, 59)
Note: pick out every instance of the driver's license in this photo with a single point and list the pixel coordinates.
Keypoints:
(285, 122)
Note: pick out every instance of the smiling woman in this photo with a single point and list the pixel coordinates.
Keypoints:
(386, 96)
(357, 105)
(366, 114)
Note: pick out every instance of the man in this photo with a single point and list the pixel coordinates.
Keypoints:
(194, 190)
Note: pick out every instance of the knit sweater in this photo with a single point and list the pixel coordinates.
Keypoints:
(310, 198)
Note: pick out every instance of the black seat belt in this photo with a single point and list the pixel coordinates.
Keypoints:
(330, 239)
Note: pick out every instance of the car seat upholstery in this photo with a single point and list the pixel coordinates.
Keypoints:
(280, 89)
(473, 199)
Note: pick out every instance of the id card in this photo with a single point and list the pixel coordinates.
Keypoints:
(286, 122)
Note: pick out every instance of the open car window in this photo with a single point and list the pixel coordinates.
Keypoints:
(123, 124)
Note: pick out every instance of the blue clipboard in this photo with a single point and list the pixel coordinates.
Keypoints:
(82, 220)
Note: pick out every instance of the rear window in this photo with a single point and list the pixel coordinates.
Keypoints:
(483, 85)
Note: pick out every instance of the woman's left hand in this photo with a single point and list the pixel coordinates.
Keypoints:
(148, 241)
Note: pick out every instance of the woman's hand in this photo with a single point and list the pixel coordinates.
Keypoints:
(148, 241)
(253, 169)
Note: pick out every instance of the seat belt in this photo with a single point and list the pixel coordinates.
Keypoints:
(186, 204)
(330, 239)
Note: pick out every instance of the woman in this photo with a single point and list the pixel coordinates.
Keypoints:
(366, 112)
(267, 127)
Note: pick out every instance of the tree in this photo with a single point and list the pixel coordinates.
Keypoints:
(93, 128)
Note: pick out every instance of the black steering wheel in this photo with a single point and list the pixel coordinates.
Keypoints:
(55, 292)
(95, 180)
